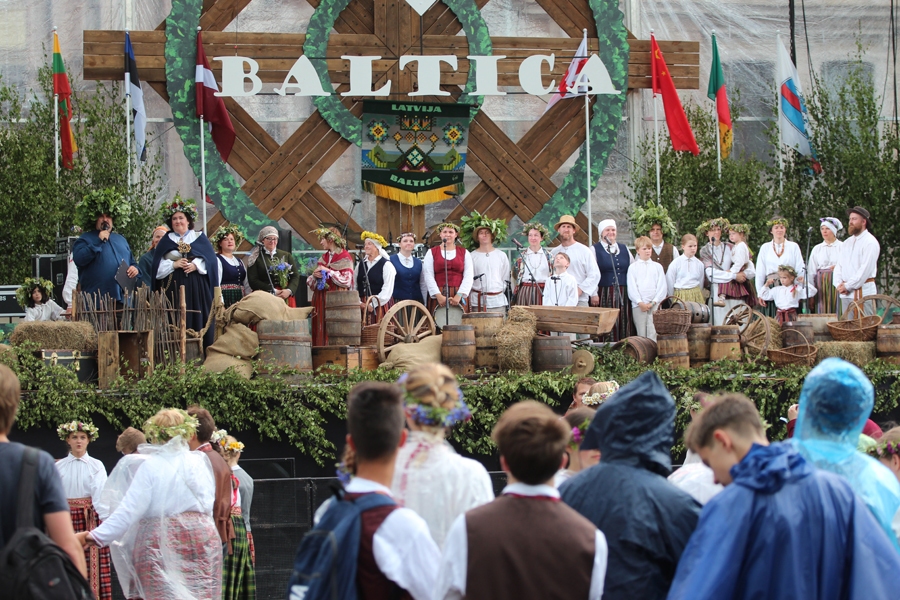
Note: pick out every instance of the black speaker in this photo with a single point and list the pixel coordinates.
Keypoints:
(40, 266)
(59, 268)
(284, 239)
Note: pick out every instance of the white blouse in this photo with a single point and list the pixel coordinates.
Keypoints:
(767, 262)
(166, 264)
(388, 274)
(823, 256)
(494, 268)
(49, 311)
(434, 288)
(535, 267)
(646, 282)
(82, 477)
(684, 274)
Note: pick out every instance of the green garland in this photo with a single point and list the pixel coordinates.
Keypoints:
(643, 218)
(472, 223)
(24, 291)
(103, 202)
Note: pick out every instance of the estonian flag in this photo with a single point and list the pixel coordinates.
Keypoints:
(133, 89)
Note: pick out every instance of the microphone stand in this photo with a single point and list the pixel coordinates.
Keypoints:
(806, 273)
(456, 197)
(262, 251)
(615, 275)
(350, 216)
(446, 284)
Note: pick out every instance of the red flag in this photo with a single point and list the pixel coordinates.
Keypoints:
(63, 90)
(567, 87)
(676, 120)
(212, 107)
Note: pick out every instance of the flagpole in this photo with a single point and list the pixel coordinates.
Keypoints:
(127, 122)
(656, 136)
(56, 128)
(202, 166)
(587, 144)
(778, 103)
(718, 132)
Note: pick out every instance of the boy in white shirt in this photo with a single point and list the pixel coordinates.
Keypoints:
(787, 296)
(647, 287)
(561, 289)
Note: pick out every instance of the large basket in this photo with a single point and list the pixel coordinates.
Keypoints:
(369, 335)
(671, 321)
(863, 329)
(804, 354)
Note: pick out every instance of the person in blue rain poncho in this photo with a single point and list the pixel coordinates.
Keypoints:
(781, 529)
(647, 520)
(835, 402)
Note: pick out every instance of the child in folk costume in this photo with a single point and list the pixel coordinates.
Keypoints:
(685, 275)
(239, 576)
(83, 479)
(780, 251)
(561, 289)
(245, 490)
(741, 288)
(34, 296)
(333, 273)
(787, 295)
(578, 421)
(822, 260)
(533, 268)
(491, 266)
(647, 287)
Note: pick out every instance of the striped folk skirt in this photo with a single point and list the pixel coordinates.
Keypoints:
(690, 295)
(238, 574)
(231, 293)
(827, 298)
(624, 326)
(529, 294)
(99, 563)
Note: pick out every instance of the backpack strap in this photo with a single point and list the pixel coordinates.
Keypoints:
(25, 508)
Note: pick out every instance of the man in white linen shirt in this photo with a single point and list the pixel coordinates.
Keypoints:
(582, 261)
(854, 274)
(492, 271)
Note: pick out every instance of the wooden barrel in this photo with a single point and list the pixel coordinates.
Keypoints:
(725, 342)
(791, 337)
(639, 348)
(486, 325)
(343, 324)
(286, 344)
(820, 325)
(887, 344)
(458, 348)
(551, 353)
(699, 312)
(698, 343)
(673, 349)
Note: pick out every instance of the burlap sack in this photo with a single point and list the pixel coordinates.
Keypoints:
(219, 363)
(79, 335)
(407, 356)
(259, 306)
(238, 341)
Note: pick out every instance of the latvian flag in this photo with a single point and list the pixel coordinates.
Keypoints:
(212, 107)
(138, 112)
(567, 87)
(792, 117)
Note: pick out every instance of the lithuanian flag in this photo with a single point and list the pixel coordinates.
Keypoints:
(717, 92)
(63, 90)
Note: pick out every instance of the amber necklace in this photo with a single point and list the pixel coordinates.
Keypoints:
(775, 248)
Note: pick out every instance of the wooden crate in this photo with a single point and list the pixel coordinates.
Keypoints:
(125, 353)
(574, 319)
(346, 357)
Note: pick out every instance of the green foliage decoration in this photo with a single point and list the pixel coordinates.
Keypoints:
(108, 202)
(475, 221)
(644, 217)
(27, 288)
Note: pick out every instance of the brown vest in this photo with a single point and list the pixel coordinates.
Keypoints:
(665, 256)
(528, 548)
(371, 583)
(222, 506)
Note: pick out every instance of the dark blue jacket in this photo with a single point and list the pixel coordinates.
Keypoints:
(785, 530)
(98, 262)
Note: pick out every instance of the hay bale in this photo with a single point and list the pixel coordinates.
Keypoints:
(514, 340)
(65, 335)
(858, 353)
(756, 327)
(406, 356)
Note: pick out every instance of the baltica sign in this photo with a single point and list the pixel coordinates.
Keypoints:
(304, 80)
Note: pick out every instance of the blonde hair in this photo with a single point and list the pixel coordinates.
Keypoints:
(432, 384)
(603, 386)
(169, 423)
(688, 237)
(642, 242)
(10, 393)
(230, 450)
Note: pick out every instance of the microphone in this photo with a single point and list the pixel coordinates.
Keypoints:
(606, 239)
(518, 244)
(555, 278)
(477, 277)
(810, 230)
(712, 240)
(357, 201)
(105, 227)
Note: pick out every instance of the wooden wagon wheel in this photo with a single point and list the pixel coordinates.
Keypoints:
(407, 322)
(888, 305)
(740, 315)
(756, 343)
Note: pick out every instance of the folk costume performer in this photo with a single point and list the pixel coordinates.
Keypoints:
(375, 276)
(448, 270)
(334, 272)
(533, 267)
(491, 265)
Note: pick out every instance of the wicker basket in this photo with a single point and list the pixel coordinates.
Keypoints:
(671, 321)
(804, 354)
(863, 329)
(369, 335)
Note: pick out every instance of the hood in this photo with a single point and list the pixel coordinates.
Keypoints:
(636, 425)
(835, 403)
(768, 468)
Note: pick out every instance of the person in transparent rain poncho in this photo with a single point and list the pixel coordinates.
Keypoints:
(161, 525)
(430, 477)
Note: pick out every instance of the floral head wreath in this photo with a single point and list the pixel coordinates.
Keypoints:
(777, 221)
(27, 288)
(545, 233)
(720, 222)
(468, 233)
(741, 228)
(884, 450)
(233, 447)
(578, 432)
(66, 429)
(788, 269)
(221, 232)
(188, 206)
(218, 436)
(434, 416)
(371, 235)
(600, 397)
(329, 233)
(103, 202)
(447, 225)
(156, 434)
(644, 218)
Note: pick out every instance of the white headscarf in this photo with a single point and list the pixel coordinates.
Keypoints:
(614, 248)
(832, 223)
(263, 234)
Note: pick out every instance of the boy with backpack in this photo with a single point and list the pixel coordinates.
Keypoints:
(365, 545)
(526, 543)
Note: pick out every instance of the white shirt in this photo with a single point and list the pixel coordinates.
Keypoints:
(494, 266)
(437, 483)
(767, 262)
(166, 265)
(82, 477)
(71, 281)
(535, 266)
(646, 282)
(824, 255)
(402, 546)
(451, 583)
(409, 262)
(698, 480)
(561, 292)
(788, 297)
(858, 261)
(48, 311)
(582, 266)
(720, 259)
(684, 273)
(428, 272)
(740, 257)
(388, 274)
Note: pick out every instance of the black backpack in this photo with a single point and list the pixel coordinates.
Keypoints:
(32, 567)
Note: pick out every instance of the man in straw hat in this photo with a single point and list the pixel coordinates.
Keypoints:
(854, 274)
(582, 262)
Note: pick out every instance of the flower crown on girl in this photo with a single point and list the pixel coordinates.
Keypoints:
(600, 397)
(66, 429)
(27, 288)
(435, 416)
(188, 206)
(221, 232)
(578, 433)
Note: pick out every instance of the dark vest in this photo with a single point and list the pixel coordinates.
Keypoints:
(371, 583)
(406, 282)
(455, 267)
(612, 264)
(370, 281)
(551, 559)
(231, 275)
(665, 256)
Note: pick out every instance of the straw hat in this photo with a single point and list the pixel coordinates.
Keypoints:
(567, 220)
